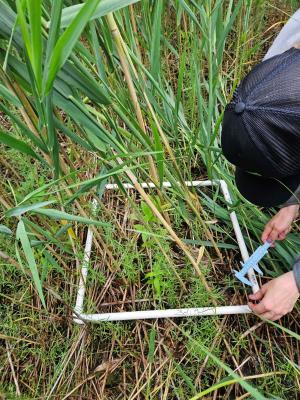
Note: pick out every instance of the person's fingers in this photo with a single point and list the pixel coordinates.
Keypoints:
(270, 233)
(266, 233)
(258, 308)
(273, 235)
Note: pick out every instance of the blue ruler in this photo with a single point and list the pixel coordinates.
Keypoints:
(252, 262)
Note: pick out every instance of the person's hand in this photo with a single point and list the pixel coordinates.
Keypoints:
(276, 298)
(280, 225)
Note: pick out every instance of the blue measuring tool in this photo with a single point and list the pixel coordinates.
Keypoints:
(252, 262)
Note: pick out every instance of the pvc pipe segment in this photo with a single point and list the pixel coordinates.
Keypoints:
(170, 313)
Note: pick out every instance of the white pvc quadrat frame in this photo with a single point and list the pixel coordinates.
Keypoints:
(80, 317)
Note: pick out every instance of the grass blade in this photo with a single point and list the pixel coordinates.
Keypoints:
(9, 96)
(17, 144)
(67, 41)
(23, 237)
(49, 114)
(56, 214)
(5, 230)
(21, 7)
(53, 29)
(155, 42)
(249, 388)
(35, 15)
(104, 8)
(17, 211)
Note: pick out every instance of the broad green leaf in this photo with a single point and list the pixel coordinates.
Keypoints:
(53, 28)
(21, 235)
(5, 230)
(67, 41)
(155, 40)
(75, 75)
(9, 96)
(21, 6)
(35, 15)
(17, 211)
(49, 111)
(56, 214)
(8, 50)
(95, 141)
(104, 8)
(82, 116)
(96, 48)
(17, 144)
